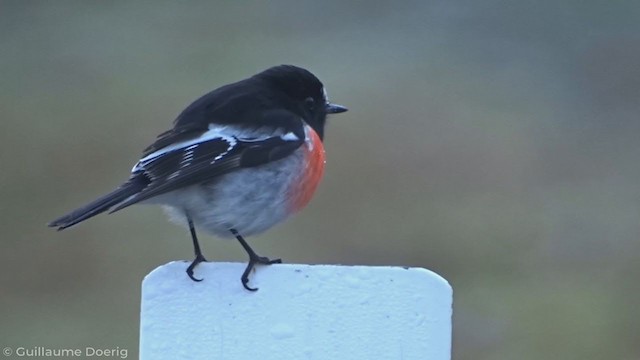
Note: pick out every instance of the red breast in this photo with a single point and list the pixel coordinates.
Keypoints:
(314, 160)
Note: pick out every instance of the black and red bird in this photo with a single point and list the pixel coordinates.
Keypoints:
(238, 160)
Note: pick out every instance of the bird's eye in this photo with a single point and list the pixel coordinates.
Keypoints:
(310, 103)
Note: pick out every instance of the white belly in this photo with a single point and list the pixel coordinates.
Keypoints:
(249, 200)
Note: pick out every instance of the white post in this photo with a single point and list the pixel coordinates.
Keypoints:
(299, 312)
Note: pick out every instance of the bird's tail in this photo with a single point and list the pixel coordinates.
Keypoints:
(100, 205)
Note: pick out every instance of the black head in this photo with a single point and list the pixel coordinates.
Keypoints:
(304, 94)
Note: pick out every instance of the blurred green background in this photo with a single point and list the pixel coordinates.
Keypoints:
(493, 142)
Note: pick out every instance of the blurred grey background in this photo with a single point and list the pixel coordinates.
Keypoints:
(493, 142)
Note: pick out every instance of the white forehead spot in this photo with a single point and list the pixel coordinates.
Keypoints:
(324, 93)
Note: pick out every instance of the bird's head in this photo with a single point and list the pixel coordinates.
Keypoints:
(305, 94)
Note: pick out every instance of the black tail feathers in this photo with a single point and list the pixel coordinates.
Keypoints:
(100, 205)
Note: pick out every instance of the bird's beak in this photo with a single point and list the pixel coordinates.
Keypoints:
(335, 108)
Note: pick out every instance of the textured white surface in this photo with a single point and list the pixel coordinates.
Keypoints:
(300, 312)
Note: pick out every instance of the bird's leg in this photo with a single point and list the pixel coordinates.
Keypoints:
(196, 247)
(253, 260)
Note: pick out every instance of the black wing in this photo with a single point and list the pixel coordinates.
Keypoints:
(196, 161)
(243, 102)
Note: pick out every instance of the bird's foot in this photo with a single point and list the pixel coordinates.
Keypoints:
(254, 259)
(199, 258)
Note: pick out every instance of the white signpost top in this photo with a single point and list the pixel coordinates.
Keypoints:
(299, 312)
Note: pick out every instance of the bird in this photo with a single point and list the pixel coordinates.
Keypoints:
(237, 161)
